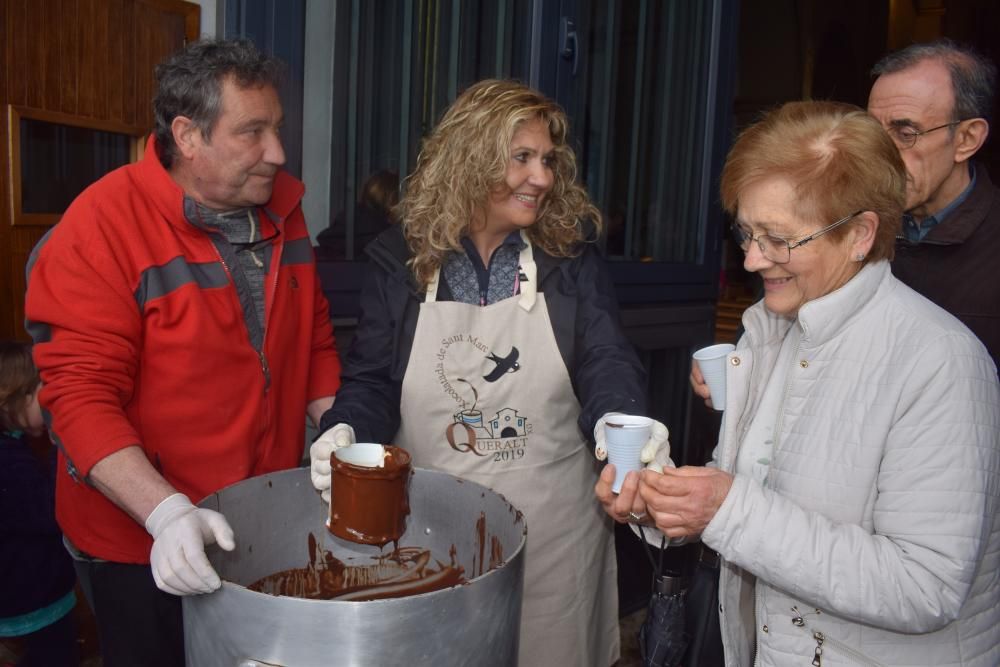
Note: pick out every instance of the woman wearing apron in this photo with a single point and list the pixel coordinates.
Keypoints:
(489, 345)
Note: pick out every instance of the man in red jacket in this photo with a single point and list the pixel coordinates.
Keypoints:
(181, 335)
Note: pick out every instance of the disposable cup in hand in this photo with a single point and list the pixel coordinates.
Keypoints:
(625, 436)
(712, 362)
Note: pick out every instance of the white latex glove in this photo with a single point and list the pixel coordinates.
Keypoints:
(180, 532)
(655, 453)
(337, 437)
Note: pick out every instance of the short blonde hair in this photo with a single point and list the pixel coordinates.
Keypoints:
(465, 159)
(840, 159)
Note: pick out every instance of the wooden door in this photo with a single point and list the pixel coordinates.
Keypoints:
(86, 61)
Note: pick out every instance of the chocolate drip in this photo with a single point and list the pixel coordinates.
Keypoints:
(481, 542)
(404, 571)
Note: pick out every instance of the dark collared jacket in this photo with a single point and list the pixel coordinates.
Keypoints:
(956, 264)
(606, 374)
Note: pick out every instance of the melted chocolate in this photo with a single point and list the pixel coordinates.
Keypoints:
(405, 571)
(496, 552)
(370, 505)
(481, 541)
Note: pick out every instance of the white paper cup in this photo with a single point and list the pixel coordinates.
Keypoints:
(364, 454)
(712, 362)
(625, 436)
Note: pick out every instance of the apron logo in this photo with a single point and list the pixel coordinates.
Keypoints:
(500, 438)
(503, 366)
(470, 436)
(470, 420)
(505, 435)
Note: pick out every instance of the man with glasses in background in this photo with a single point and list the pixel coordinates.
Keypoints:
(934, 100)
(181, 335)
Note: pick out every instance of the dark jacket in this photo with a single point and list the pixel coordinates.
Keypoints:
(35, 568)
(955, 265)
(331, 243)
(606, 374)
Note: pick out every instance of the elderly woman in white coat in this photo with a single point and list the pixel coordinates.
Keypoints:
(853, 494)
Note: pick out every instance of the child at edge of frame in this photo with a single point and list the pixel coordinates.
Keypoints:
(36, 572)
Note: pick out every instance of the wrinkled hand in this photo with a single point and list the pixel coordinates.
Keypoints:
(337, 437)
(655, 453)
(180, 533)
(682, 501)
(619, 505)
(698, 384)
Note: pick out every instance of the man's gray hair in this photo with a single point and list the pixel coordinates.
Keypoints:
(189, 83)
(973, 77)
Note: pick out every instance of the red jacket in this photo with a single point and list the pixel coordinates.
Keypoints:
(141, 339)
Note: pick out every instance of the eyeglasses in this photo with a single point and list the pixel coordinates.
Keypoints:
(259, 244)
(906, 137)
(774, 248)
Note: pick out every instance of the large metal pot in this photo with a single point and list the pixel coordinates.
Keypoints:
(475, 623)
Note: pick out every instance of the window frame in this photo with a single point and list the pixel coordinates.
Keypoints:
(15, 113)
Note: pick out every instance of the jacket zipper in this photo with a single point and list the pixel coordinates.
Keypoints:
(275, 267)
(261, 358)
(265, 369)
(841, 648)
(822, 639)
(276, 262)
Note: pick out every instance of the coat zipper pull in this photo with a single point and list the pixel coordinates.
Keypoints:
(798, 620)
(264, 367)
(818, 655)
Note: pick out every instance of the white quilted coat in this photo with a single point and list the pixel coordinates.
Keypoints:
(878, 526)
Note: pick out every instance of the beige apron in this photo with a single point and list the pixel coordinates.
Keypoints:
(486, 396)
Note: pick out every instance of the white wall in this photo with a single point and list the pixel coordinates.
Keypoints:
(317, 115)
(208, 16)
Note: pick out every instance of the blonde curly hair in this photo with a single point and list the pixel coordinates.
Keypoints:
(465, 159)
